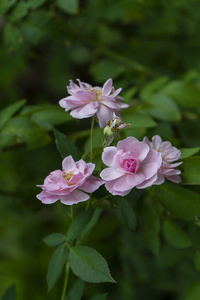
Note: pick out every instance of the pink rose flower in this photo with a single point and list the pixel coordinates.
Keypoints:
(69, 185)
(169, 155)
(130, 164)
(86, 101)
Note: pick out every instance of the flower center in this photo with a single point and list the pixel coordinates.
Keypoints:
(131, 165)
(97, 91)
(68, 176)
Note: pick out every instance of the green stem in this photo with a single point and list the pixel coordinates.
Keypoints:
(91, 138)
(65, 281)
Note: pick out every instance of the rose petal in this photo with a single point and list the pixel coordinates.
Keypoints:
(108, 155)
(75, 197)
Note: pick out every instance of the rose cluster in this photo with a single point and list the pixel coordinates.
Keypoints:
(131, 164)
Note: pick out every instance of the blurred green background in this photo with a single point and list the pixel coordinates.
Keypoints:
(150, 49)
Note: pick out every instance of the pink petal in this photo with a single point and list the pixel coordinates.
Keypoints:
(91, 184)
(156, 142)
(147, 183)
(75, 197)
(109, 186)
(108, 155)
(85, 111)
(149, 170)
(135, 179)
(153, 157)
(174, 178)
(107, 87)
(110, 174)
(121, 184)
(115, 93)
(68, 164)
(47, 198)
(104, 115)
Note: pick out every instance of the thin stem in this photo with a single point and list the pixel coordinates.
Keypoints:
(65, 281)
(91, 138)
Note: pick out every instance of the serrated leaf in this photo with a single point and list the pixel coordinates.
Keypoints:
(185, 94)
(91, 223)
(77, 291)
(54, 239)
(9, 111)
(56, 265)
(186, 152)
(69, 6)
(65, 146)
(99, 297)
(78, 225)
(89, 265)
(10, 293)
(175, 235)
(193, 291)
(180, 201)
(191, 173)
(127, 214)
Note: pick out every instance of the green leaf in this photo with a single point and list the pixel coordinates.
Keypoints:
(77, 291)
(50, 117)
(99, 297)
(175, 236)
(36, 3)
(193, 291)
(26, 131)
(10, 293)
(125, 213)
(78, 225)
(12, 37)
(5, 5)
(65, 146)
(137, 120)
(69, 6)
(54, 239)
(197, 260)
(150, 224)
(186, 152)
(191, 173)
(89, 265)
(153, 86)
(128, 95)
(20, 11)
(91, 223)
(185, 94)
(180, 201)
(9, 111)
(56, 265)
(163, 108)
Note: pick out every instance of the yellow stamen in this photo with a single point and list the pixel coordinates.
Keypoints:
(68, 176)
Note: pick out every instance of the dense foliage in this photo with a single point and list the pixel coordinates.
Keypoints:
(150, 238)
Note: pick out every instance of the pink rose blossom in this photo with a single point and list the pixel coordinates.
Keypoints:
(69, 185)
(169, 155)
(86, 101)
(130, 164)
